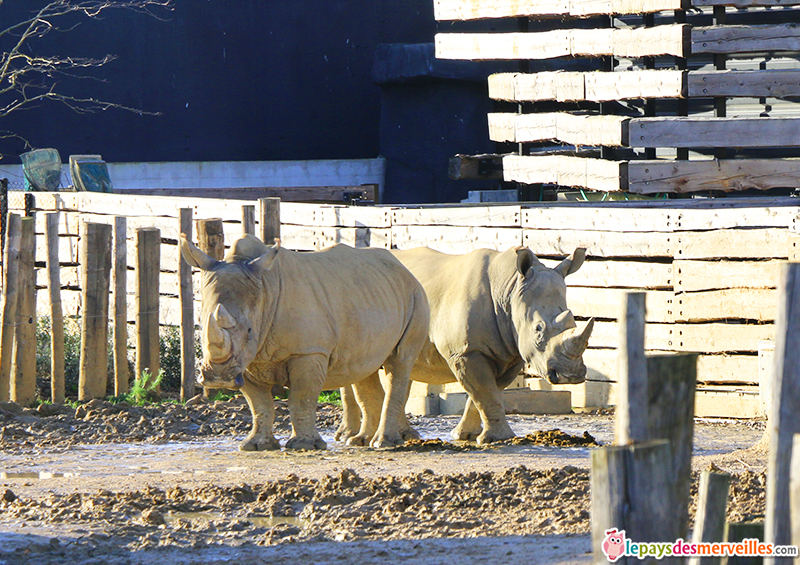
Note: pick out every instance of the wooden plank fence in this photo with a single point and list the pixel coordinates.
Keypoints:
(659, 59)
(709, 267)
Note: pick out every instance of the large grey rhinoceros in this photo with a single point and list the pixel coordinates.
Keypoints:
(308, 321)
(492, 314)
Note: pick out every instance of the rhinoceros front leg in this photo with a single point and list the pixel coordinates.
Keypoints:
(469, 428)
(263, 412)
(369, 395)
(351, 415)
(479, 378)
(306, 379)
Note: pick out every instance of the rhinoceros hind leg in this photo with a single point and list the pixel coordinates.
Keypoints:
(262, 444)
(469, 428)
(351, 415)
(306, 443)
(369, 395)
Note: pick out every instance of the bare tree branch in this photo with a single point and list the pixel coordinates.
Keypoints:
(29, 78)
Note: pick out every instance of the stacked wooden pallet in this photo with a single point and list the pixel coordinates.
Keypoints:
(641, 43)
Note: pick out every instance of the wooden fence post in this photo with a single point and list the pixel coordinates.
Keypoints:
(56, 313)
(188, 380)
(95, 260)
(148, 269)
(11, 260)
(121, 375)
(709, 522)
(211, 237)
(269, 214)
(631, 415)
(248, 220)
(631, 488)
(3, 213)
(783, 420)
(794, 490)
(23, 383)
(671, 385)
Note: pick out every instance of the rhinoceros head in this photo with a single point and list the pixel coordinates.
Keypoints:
(232, 308)
(547, 336)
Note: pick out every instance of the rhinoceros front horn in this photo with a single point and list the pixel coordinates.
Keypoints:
(576, 342)
(217, 339)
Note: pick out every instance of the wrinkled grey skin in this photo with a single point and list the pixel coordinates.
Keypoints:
(492, 315)
(311, 322)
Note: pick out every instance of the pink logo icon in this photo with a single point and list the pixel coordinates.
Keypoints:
(614, 544)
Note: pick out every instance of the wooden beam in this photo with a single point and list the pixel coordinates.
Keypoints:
(651, 177)
(712, 503)
(604, 303)
(445, 10)
(577, 129)
(10, 293)
(322, 194)
(671, 39)
(455, 239)
(745, 39)
(774, 82)
(600, 243)
(732, 244)
(504, 215)
(744, 3)
(756, 304)
(622, 274)
(632, 406)
(57, 388)
(563, 170)
(721, 275)
(714, 132)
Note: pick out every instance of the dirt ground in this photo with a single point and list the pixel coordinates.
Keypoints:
(116, 484)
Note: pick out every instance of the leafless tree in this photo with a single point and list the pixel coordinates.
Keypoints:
(28, 79)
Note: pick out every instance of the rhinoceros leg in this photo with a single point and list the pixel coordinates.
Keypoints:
(369, 395)
(306, 378)
(351, 415)
(469, 427)
(479, 378)
(263, 411)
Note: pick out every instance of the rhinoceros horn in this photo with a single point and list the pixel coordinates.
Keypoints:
(564, 321)
(576, 341)
(216, 337)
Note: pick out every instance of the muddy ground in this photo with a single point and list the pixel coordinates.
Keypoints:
(116, 484)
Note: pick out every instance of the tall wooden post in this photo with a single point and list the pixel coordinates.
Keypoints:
(56, 312)
(631, 415)
(248, 219)
(709, 522)
(121, 376)
(783, 420)
(148, 269)
(95, 260)
(23, 382)
(269, 214)
(188, 380)
(794, 490)
(671, 383)
(211, 238)
(11, 260)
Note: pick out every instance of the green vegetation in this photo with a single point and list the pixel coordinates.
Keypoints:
(332, 396)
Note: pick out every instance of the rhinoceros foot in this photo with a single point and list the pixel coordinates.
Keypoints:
(344, 433)
(409, 434)
(387, 441)
(463, 434)
(263, 444)
(358, 440)
(306, 443)
(498, 434)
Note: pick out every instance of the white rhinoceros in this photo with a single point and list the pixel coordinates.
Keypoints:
(492, 314)
(308, 321)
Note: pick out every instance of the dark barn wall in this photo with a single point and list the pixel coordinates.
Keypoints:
(232, 80)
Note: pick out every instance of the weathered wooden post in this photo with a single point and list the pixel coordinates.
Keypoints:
(95, 260)
(248, 219)
(709, 522)
(269, 214)
(11, 253)
(783, 420)
(148, 269)
(121, 375)
(671, 385)
(23, 383)
(631, 419)
(211, 239)
(186, 296)
(794, 490)
(56, 312)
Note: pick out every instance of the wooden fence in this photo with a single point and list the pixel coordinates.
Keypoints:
(665, 85)
(709, 267)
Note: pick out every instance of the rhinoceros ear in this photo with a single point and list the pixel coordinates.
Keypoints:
(525, 260)
(572, 264)
(266, 261)
(195, 257)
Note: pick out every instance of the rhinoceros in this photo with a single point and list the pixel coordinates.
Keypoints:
(492, 315)
(311, 322)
